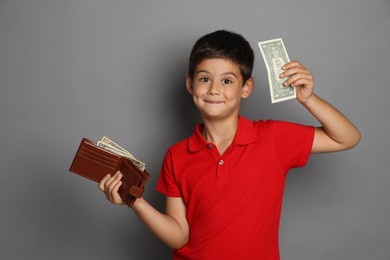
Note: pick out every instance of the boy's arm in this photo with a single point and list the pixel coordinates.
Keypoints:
(172, 227)
(336, 133)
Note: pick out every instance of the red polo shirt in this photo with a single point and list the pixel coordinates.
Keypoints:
(234, 200)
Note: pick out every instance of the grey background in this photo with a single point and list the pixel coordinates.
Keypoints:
(73, 69)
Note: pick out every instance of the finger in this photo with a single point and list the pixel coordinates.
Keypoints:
(103, 181)
(291, 65)
(115, 197)
(111, 179)
(294, 70)
(300, 74)
(110, 188)
(112, 193)
(115, 179)
(296, 79)
(303, 82)
(116, 187)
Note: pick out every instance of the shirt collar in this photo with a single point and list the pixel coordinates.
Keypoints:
(246, 134)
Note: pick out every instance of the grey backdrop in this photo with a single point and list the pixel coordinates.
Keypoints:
(84, 68)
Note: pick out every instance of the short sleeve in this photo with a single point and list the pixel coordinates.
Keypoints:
(293, 143)
(166, 183)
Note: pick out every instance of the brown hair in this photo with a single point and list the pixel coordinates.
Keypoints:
(226, 45)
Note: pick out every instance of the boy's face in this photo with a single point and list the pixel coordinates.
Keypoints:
(217, 88)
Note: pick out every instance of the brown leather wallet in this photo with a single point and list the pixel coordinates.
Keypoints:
(94, 163)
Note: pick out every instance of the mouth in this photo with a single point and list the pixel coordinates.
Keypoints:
(213, 102)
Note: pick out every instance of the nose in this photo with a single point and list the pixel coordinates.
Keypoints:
(214, 89)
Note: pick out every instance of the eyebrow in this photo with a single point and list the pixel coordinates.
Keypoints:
(224, 74)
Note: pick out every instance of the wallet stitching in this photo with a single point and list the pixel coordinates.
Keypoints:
(96, 153)
(97, 157)
(98, 162)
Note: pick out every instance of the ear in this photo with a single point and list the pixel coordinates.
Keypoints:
(189, 83)
(247, 88)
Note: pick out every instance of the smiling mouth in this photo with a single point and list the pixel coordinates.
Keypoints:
(213, 101)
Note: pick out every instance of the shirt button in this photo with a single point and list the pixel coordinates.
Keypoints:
(220, 162)
(209, 146)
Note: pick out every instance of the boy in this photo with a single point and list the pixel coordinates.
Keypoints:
(224, 184)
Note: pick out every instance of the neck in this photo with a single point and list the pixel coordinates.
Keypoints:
(221, 133)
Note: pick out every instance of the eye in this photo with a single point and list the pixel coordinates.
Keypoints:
(227, 81)
(204, 79)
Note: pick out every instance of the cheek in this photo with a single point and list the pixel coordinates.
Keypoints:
(233, 94)
(199, 90)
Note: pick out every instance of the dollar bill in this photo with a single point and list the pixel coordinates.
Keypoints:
(108, 141)
(275, 56)
(140, 165)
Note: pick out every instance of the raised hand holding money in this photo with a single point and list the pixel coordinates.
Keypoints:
(300, 78)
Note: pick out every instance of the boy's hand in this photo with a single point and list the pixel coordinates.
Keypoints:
(300, 78)
(110, 186)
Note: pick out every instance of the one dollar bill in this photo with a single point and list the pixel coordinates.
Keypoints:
(109, 142)
(275, 56)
